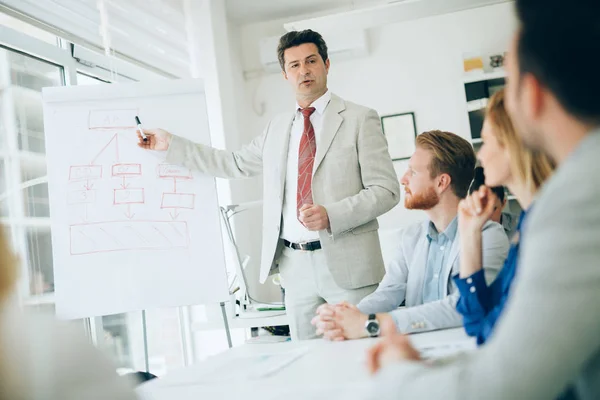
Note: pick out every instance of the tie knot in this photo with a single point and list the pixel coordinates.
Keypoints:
(307, 111)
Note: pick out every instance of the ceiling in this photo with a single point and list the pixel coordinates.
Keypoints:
(251, 11)
(153, 31)
(243, 12)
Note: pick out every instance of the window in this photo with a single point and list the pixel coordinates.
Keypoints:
(22, 127)
(39, 254)
(35, 198)
(24, 200)
(119, 332)
(28, 29)
(23, 122)
(3, 189)
(123, 338)
(165, 346)
(84, 79)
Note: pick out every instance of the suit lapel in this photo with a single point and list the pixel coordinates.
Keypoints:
(281, 145)
(451, 258)
(331, 124)
(414, 290)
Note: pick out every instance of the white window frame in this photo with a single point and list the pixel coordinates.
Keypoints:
(60, 55)
(17, 41)
(98, 66)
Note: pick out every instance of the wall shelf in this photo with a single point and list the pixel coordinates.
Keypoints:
(484, 76)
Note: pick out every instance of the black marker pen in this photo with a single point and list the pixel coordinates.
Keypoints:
(139, 125)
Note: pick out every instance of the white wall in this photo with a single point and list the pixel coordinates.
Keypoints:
(412, 66)
(248, 224)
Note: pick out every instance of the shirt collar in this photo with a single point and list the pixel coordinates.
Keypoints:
(450, 232)
(522, 218)
(319, 104)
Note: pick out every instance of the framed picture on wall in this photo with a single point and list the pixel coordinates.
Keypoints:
(400, 131)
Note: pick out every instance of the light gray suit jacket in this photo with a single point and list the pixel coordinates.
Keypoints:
(549, 334)
(405, 273)
(353, 178)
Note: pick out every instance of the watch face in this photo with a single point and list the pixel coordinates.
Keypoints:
(373, 328)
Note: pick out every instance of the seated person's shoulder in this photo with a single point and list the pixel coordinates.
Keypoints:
(494, 231)
(491, 226)
(413, 230)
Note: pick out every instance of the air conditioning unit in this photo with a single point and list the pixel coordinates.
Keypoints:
(340, 46)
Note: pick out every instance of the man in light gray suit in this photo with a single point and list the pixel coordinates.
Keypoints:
(426, 253)
(327, 176)
(547, 343)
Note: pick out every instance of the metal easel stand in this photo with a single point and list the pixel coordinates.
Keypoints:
(227, 213)
(226, 324)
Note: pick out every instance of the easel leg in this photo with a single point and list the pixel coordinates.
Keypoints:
(226, 323)
(146, 354)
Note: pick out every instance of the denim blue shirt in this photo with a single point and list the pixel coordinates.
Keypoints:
(440, 244)
(480, 304)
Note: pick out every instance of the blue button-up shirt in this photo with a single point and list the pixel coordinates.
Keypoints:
(440, 244)
(480, 304)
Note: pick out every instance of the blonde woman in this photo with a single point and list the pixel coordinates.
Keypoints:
(42, 359)
(506, 163)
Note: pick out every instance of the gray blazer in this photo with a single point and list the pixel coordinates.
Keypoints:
(353, 178)
(405, 273)
(549, 334)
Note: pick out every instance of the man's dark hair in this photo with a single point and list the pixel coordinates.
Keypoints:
(296, 38)
(558, 43)
(479, 179)
(499, 192)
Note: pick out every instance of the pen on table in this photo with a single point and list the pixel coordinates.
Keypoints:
(139, 125)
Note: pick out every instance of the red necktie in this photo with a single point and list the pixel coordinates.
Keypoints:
(306, 160)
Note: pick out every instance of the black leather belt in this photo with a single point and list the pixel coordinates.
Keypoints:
(306, 246)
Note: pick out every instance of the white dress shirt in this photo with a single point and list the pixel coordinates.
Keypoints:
(292, 230)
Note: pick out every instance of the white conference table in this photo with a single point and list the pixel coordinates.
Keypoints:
(324, 371)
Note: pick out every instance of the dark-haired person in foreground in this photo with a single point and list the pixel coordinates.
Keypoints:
(547, 343)
(327, 176)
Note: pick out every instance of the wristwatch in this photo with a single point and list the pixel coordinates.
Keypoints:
(372, 326)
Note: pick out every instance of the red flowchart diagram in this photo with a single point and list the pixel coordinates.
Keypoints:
(175, 200)
(127, 233)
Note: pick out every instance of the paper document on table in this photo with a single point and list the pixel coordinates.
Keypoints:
(441, 350)
(249, 367)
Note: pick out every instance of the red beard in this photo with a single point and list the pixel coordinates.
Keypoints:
(421, 201)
